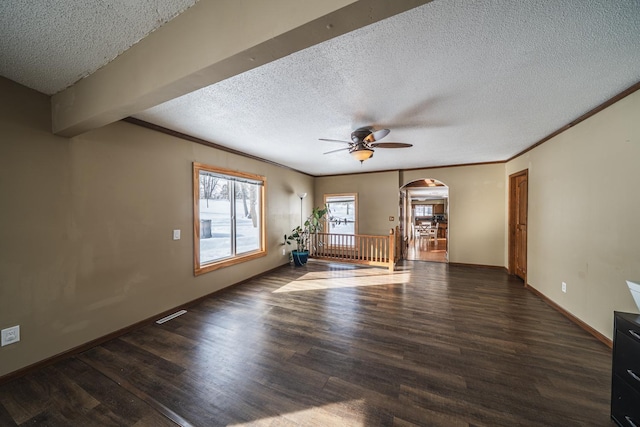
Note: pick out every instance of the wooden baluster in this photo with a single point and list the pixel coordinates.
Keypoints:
(333, 245)
(392, 255)
(374, 251)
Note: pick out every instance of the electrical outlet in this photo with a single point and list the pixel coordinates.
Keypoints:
(10, 335)
(564, 287)
(176, 234)
(284, 251)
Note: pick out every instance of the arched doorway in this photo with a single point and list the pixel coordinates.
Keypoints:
(426, 220)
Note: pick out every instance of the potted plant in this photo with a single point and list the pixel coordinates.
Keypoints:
(302, 234)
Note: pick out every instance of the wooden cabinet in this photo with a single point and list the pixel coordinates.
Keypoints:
(625, 376)
(438, 209)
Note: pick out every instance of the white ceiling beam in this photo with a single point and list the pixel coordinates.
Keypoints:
(211, 41)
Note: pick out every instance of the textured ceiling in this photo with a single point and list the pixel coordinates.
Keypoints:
(48, 45)
(463, 81)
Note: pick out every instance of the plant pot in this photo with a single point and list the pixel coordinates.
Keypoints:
(300, 257)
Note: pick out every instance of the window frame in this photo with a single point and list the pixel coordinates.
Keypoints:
(355, 215)
(199, 268)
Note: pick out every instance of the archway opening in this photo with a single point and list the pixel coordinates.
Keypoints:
(425, 220)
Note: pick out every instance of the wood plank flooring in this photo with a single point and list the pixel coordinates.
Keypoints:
(336, 345)
(423, 249)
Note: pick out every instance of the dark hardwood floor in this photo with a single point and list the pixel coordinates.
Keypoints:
(332, 345)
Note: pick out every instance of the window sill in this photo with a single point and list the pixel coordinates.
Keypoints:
(216, 265)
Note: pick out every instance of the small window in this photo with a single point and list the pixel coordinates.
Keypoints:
(343, 213)
(423, 210)
(229, 217)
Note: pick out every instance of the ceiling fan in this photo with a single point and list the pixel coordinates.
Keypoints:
(364, 140)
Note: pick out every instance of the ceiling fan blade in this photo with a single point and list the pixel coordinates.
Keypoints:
(391, 145)
(376, 135)
(339, 149)
(379, 134)
(335, 140)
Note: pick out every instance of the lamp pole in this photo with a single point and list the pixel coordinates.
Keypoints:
(302, 196)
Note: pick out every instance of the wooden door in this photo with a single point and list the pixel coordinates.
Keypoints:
(518, 202)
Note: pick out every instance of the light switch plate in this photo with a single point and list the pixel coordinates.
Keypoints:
(176, 234)
(10, 335)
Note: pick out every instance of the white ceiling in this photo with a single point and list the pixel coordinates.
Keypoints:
(463, 81)
(48, 45)
(428, 193)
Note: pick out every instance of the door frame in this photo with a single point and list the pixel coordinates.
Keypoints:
(512, 221)
(408, 218)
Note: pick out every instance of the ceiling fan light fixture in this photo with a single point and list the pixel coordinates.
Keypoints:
(363, 141)
(362, 154)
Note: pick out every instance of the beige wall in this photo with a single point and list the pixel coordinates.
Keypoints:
(86, 227)
(476, 211)
(584, 214)
(378, 198)
(476, 206)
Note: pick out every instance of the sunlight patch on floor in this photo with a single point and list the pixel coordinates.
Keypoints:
(332, 414)
(352, 279)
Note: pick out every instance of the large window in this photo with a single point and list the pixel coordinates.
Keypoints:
(229, 217)
(343, 213)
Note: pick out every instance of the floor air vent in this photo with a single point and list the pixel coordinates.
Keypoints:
(171, 316)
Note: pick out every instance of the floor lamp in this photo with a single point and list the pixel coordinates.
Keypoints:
(302, 196)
